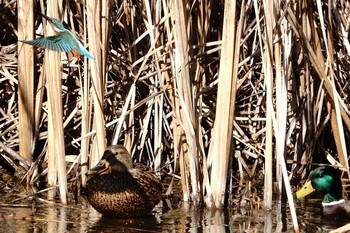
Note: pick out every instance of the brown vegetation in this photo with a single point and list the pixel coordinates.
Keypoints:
(194, 89)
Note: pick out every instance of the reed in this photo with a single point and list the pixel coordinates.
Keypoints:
(209, 91)
(86, 115)
(221, 146)
(185, 104)
(56, 147)
(26, 79)
(265, 42)
(93, 14)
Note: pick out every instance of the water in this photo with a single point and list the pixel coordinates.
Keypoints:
(166, 218)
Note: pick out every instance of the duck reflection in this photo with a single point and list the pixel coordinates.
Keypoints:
(137, 224)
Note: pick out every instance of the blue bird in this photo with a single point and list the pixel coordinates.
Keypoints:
(64, 41)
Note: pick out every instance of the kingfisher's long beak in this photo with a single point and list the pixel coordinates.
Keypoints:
(51, 22)
(46, 17)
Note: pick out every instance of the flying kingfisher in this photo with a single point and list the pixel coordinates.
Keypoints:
(64, 41)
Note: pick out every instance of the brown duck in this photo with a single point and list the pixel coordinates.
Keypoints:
(118, 188)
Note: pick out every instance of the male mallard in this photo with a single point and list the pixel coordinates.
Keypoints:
(116, 187)
(327, 181)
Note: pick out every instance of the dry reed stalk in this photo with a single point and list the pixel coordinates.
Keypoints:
(283, 71)
(338, 133)
(105, 33)
(204, 10)
(85, 125)
(183, 86)
(94, 32)
(24, 162)
(266, 47)
(56, 147)
(318, 64)
(86, 116)
(123, 115)
(317, 60)
(336, 119)
(152, 18)
(26, 78)
(221, 146)
(129, 134)
(181, 151)
(38, 114)
(276, 120)
(345, 228)
(281, 98)
(105, 37)
(130, 101)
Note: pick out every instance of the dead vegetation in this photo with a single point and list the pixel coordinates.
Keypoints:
(172, 79)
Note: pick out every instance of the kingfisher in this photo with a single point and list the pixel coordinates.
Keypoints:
(64, 41)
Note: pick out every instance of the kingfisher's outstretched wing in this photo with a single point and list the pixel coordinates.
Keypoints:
(56, 43)
(63, 42)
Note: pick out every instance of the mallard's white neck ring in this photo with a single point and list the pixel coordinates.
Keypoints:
(333, 203)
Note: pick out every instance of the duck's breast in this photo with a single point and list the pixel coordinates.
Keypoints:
(124, 194)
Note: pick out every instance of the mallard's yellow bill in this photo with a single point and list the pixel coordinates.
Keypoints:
(305, 190)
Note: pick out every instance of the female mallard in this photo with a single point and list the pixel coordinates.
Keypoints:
(327, 181)
(118, 188)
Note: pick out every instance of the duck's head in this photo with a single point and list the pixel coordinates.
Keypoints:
(115, 158)
(325, 180)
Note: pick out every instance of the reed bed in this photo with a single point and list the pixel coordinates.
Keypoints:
(216, 93)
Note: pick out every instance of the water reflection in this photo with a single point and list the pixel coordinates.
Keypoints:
(166, 218)
(9, 222)
(144, 224)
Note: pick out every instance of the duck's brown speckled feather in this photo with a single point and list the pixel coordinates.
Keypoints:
(125, 194)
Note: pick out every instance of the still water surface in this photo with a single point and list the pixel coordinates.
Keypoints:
(179, 218)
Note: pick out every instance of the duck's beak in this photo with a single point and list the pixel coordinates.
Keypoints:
(102, 167)
(305, 190)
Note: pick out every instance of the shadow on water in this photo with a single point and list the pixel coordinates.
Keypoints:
(187, 218)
